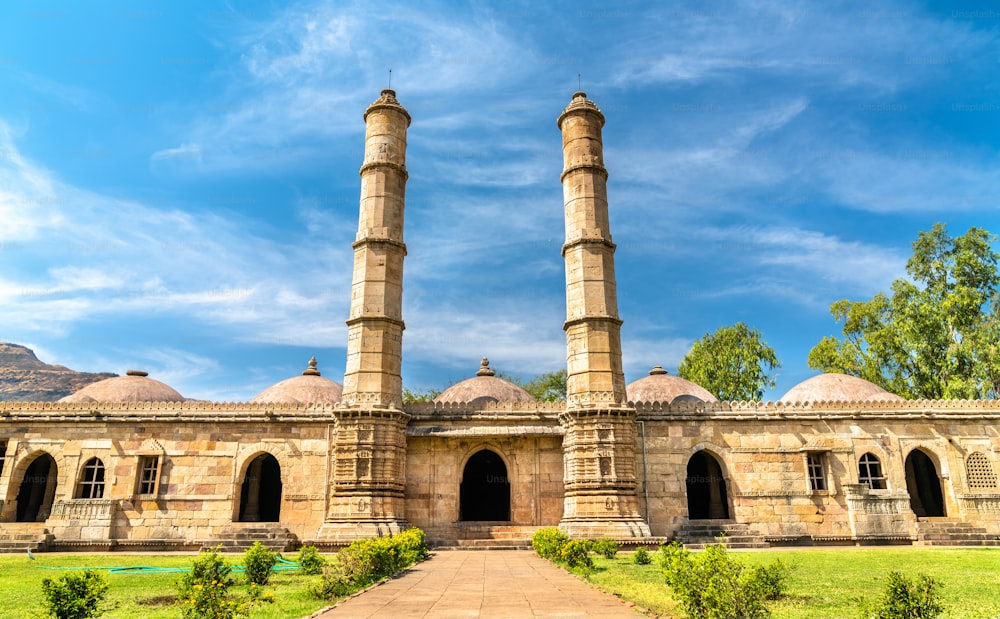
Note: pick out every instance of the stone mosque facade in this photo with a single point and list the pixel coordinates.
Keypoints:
(129, 463)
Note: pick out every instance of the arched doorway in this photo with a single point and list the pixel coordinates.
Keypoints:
(260, 496)
(706, 488)
(485, 489)
(37, 491)
(924, 485)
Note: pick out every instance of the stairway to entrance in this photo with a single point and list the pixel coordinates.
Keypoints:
(487, 536)
(697, 534)
(21, 537)
(240, 537)
(952, 532)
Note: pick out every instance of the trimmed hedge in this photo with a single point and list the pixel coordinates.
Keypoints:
(368, 561)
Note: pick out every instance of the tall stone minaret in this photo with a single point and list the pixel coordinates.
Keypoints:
(368, 463)
(599, 473)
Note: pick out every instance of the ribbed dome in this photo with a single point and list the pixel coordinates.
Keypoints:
(837, 388)
(310, 388)
(135, 386)
(484, 387)
(660, 386)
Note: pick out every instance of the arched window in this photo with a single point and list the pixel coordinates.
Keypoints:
(91, 484)
(870, 472)
(980, 472)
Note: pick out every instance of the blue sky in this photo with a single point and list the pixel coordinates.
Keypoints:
(179, 181)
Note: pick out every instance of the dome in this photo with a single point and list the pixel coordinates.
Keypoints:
(310, 388)
(135, 386)
(484, 387)
(660, 386)
(837, 388)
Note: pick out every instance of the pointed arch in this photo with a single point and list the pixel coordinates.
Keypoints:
(484, 492)
(260, 490)
(37, 489)
(707, 496)
(924, 485)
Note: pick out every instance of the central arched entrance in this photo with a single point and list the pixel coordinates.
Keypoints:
(37, 491)
(485, 489)
(706, 488)
(924, 486)
(260, 496)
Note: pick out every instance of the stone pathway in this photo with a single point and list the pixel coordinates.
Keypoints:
(510, 584)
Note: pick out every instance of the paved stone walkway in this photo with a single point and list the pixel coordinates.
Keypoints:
(511, 584)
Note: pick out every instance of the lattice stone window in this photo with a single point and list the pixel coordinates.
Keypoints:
(91, 484)
(148, 481)
(870, 472)
(980, 472)
(817, 471)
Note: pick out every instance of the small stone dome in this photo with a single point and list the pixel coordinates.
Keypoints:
(310, 388)
(135, 386)
(484, 387)
(660, 386)
(834, 387)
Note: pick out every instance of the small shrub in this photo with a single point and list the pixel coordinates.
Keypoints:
(413, 542)
(548, 543)
(576, 553)
(74, 596)
(903, 598)
(310, 561)
(203, 593)
(367, 561)
(641, 556)
(258, 563)
(715, 584)
(606, 547)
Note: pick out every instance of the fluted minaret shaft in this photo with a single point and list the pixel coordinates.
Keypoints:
(375, 324)
(593, 329)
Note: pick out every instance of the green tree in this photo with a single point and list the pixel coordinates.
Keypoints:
(422, 395)
(734, 363)
(547, 387)
(936, 334)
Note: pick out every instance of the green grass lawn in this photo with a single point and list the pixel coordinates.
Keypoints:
(831, 583)
(142, 595)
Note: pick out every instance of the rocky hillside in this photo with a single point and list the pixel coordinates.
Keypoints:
(23, 378)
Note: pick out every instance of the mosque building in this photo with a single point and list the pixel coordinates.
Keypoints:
(130, 463)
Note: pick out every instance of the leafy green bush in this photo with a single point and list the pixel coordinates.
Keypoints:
(606, 547)
(715, 584)
(74, 596)
(903, 598)
(367, 561)
(548, 543)
(641, 556)
(310, 561)
(203, 593)
(576, 553)
(258, 563)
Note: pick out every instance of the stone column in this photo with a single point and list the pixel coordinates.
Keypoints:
(600, 431)
(369, 449)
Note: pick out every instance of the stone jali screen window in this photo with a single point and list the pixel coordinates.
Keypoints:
(980, 472)
(816, 471)
(870, 472)
(91, 484)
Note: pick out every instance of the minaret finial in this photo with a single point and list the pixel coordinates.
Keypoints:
(390, 78)
(579, 82)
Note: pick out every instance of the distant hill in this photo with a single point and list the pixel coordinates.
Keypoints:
(23, 378)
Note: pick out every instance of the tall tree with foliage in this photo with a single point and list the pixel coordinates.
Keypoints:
(547, 387)
(734, 363)
(936, 334)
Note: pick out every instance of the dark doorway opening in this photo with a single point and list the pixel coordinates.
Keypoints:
(924, 486)
(485, 489)
(260, 497)
(38, 489)
(706, 488)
